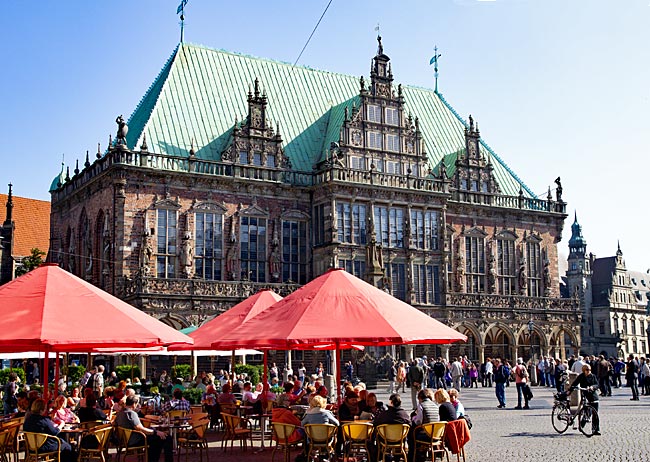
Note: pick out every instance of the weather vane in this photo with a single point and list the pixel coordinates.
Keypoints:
(181, 10)
(434, 61)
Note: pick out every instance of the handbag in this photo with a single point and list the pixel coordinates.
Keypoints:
(468, 421)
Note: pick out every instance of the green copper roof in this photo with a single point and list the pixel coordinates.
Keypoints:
(200, 92)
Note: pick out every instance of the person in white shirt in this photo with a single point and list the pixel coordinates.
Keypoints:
(489, 372)
(577, 365)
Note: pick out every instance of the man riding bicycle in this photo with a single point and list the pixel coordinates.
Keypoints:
(589, 382)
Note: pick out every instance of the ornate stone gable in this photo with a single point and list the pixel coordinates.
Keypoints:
(473, 173)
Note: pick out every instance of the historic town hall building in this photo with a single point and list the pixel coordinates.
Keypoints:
(235, 174)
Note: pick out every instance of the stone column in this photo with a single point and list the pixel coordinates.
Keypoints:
(481, 354)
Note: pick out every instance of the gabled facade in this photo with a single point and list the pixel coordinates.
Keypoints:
(236, 174)
(24, 225)
(614, 300)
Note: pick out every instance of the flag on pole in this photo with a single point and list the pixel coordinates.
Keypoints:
(181, 6)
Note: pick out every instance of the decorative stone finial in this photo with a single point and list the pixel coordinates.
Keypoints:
(76, 168)
(380, 47)
(192, 152)
(362, 83)
(143, 146)
(67, 174)
(122, 130)
(99, 151)
(257, 87)
(87, 163)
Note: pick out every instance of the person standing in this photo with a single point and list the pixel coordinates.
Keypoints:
(489, 373)
(631, 375)
(604, 372)
(500, 379)
(588, 381)
(645, 371)
(521, 381)
(401, 376)
(416, 378)
(98, 382)
(456, 371)
(9, 397)
(392, 376)
(439, 371)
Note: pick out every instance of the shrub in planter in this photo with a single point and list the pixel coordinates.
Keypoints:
(254, 373)
(181, 371)
(4, 375)
(75, 373)
(124, 371)
(193, 395)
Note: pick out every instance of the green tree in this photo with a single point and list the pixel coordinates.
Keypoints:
(31, 262)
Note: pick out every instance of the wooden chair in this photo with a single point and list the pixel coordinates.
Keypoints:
(123, 436)
(198, 416)
(282, 435)
(8, 436)
(176, 414)
(391, 439)
(33, 444)
(321, 440)
(430, 437)
(225, 408)
(356, 436)
(194, 439)
(87, 426)
(234, 430)
(102, 434)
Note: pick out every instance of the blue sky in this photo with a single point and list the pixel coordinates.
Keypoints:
(558, 87)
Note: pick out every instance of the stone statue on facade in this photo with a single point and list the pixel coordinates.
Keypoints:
(106, 249)
(492, 273)
(522, 275)
(460, 271)
(71, 255)
(275, 263)
(558, 189)
(231, 256)
(187, 255)
(147, 253)
(547, 277)
(122, 130)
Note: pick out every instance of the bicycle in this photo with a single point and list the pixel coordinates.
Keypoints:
(562, 417)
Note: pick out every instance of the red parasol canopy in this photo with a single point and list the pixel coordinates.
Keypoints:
(338, 310)
(226, 322)
(49, 309)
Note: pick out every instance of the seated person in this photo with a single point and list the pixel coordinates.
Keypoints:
(250, 398)
(371, 408)
(90, 412)
(282, 414)
(395, 414)
(154, 405)
(105, 401)
(426, 412)
(453, 397)
(23, 404)
(209, 401)
(74, 399)
(297, 392)
(446, 410)
(226, 396)
(157, 441)
(39, 422)
(61, 413)
(317, 414)
(178, 403)
(350, 409)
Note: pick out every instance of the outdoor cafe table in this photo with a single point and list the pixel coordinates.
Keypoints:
(173, 426)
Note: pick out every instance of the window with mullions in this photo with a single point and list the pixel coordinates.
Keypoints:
(355, 267)
(389, 226)
(374, 113)
(294, 251)
(257, 159)
(398, 280)
(392, 116)
(208, 238)
(357, 163)
(392, 143)
(507, 273)
(424, 229)
(319, 224)
(534, 262)
(394, 168)
(425, 284)
(351, 222)
(374, 140)
(475, 264)
(243, 157)
(166, 244)
(253, 249)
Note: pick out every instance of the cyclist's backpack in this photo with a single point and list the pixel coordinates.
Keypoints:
(506, 372)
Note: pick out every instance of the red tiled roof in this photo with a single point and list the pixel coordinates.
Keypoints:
(32, 219)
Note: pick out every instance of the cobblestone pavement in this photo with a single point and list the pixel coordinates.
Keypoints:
(527, 435)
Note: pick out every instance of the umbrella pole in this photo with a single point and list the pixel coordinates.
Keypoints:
(45, 371)
(265, 380)
(232, 368)
(337, 355)
(56, 373)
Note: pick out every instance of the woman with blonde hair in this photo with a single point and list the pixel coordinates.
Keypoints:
(446, 410)
(318, 414)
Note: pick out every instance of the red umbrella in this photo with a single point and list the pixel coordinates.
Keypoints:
(49, 309)
(338, 310)
(226, 322)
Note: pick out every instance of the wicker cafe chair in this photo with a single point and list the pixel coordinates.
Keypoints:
(391, 439)
(234, 430)
(102, 434)
(321, 440)
(33, 443)
(282, 434)
(356, 436)
(8, 436)
(430, 437)
(123, 436)
(194, 439)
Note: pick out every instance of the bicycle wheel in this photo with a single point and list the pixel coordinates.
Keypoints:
(560, 417)
(588, 421)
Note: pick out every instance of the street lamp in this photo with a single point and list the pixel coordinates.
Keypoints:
(533, 369)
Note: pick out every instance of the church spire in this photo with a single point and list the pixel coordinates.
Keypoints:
(10, 205)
